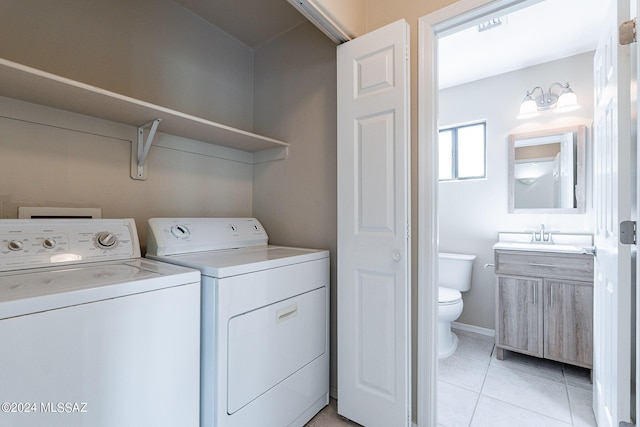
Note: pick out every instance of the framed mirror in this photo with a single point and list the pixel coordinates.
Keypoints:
(547, 171)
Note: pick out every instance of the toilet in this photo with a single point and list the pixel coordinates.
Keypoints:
(454, 277)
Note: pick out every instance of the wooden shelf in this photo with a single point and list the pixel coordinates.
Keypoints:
(39, 87)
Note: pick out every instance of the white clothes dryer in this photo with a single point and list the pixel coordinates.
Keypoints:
(91, 333)
(265, 327)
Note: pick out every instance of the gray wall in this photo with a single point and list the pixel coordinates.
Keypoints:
(471, 213)
(153, 50)
(295, 100)
(54, 158)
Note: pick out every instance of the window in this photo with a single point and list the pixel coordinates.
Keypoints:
(462, 152)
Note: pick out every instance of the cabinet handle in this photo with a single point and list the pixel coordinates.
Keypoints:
(535, 294)
(534, 264)
(551, 296)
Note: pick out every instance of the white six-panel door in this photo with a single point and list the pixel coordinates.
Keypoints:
(613, 169)
(374, 357)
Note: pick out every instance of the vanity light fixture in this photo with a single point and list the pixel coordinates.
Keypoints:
(563, 102)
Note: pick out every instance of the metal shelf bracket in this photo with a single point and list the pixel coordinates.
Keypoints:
(145, 145)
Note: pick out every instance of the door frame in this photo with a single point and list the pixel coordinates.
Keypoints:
(430, 27)
(634, 8)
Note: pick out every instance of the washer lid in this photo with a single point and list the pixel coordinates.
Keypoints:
(233, 262)
(448, 295)
(31, 291)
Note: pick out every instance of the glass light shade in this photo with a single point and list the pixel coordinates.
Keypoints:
(568, 101)
(528, 109)
(527, 181)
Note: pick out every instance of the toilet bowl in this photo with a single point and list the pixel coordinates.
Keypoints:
(449, 309)
(454, 277)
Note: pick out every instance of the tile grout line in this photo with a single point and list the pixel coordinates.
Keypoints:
(566, 389)
(486, 372)
(539, 378)
(533, 410)
(562, 379)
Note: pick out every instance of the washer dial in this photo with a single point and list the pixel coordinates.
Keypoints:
(49, 243)
(106, 240)
(15, 245)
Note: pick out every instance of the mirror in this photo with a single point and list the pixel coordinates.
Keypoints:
(546, 171)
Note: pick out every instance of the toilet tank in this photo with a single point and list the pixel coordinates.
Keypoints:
(454, 271)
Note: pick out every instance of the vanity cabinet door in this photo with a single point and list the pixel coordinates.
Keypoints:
(568, 326)
(519, 315)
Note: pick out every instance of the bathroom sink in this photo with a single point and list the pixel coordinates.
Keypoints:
(560, 242)
(541, 247)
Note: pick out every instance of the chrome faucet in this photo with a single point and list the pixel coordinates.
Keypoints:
(541, 235)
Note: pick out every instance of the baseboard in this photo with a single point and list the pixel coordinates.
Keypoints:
(475, 329)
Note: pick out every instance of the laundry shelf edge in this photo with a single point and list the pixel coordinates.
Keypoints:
(40, 87)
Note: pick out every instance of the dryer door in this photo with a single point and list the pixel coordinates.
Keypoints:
(269, 344)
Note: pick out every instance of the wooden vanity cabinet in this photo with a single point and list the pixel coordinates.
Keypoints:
(519, 319)
(544, 305)
(568, 323)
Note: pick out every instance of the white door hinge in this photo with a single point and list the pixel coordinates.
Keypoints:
(628, 232)
(627, 32)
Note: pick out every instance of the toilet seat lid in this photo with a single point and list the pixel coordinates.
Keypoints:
(448, 295)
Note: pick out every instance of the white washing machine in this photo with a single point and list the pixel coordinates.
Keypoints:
(265, 330)
(91, 334)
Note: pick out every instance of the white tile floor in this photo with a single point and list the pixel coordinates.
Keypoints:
(477, 390)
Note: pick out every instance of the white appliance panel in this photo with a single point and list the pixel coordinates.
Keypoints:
(265, 314)
(285, 336)
(34, 243)
(223, 299)
(170, 236)
(98, 354)
(93, 335)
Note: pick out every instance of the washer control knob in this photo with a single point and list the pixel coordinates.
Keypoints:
(106, 240)
(49, 243)
(15, 245)
(180, 231)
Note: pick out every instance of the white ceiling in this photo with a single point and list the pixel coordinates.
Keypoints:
(540, 33)
(543, 32)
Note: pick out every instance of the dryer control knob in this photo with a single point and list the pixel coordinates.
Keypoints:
(49, 243)
(15, 245)
(106, 240)
(180, 231)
